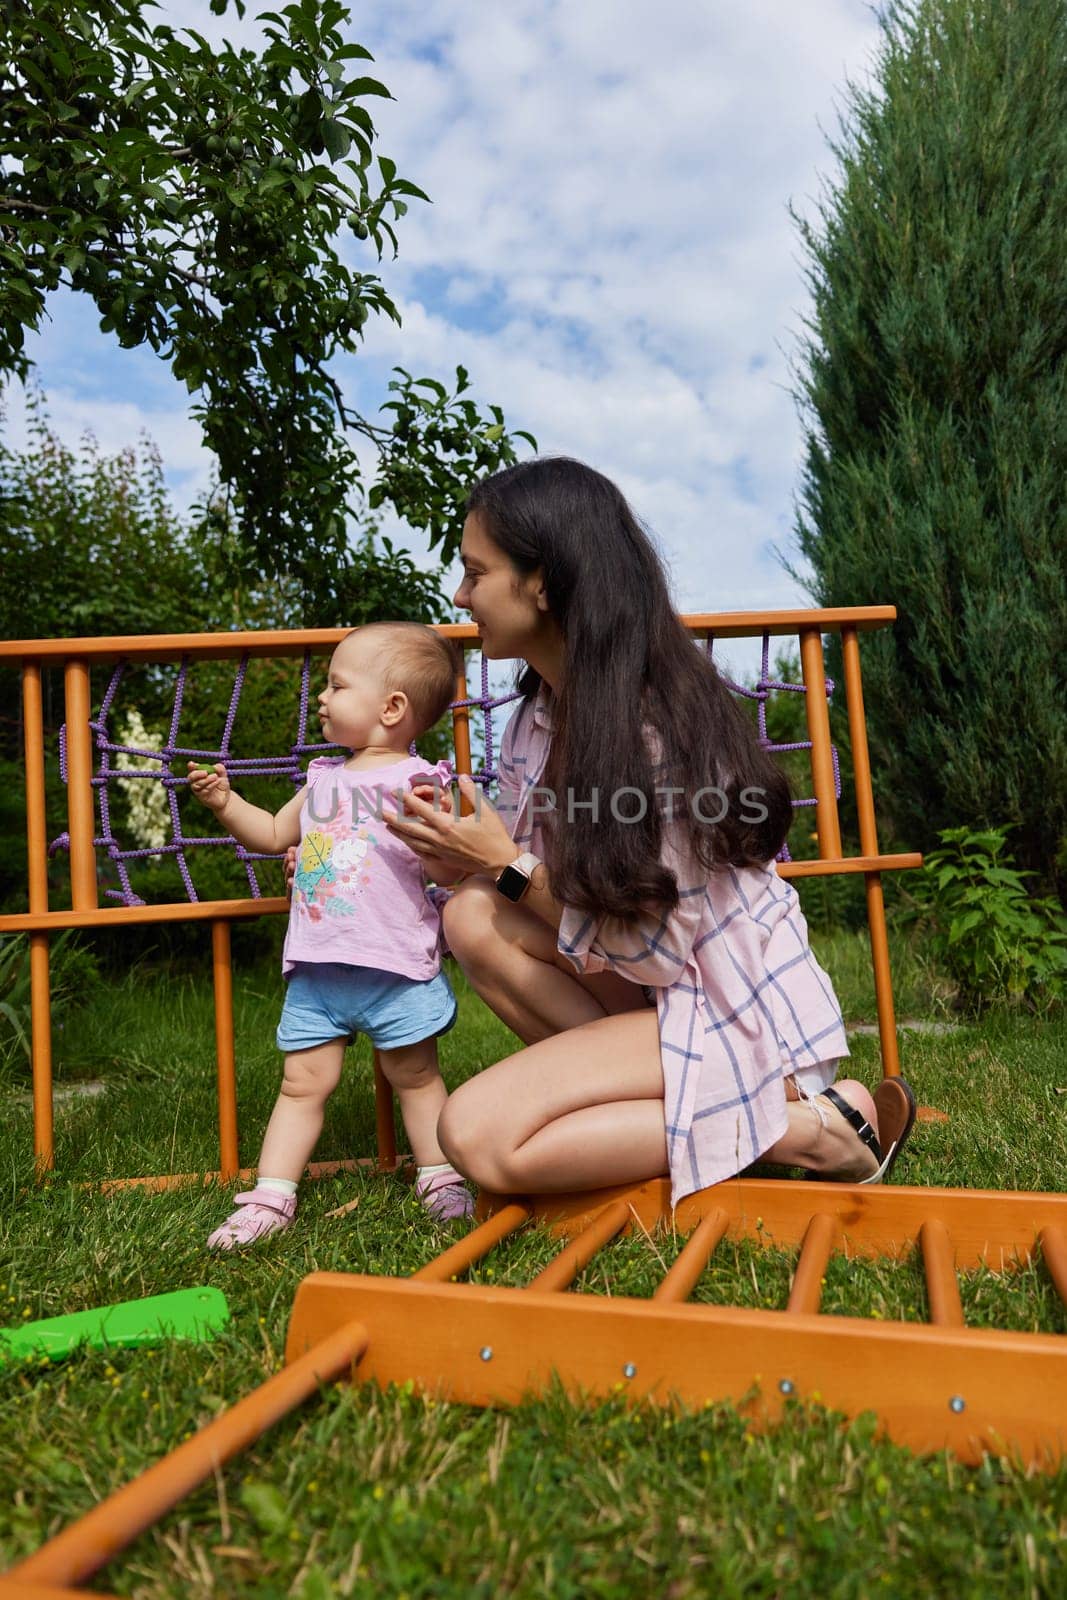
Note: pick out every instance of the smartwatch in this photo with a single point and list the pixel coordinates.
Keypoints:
(514, 881)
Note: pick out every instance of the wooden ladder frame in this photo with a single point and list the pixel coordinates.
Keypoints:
(936, 1386)
(77, 657)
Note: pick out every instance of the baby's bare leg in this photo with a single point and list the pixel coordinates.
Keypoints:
(309, 1079)
(415, 1076)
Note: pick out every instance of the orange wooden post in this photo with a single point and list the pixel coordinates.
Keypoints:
(88, 1544)
(37, 862)
(461, 735)
(582, 1248)
(819, 1240)
(383, 1118)
(225, 1060)
(680, 1281)
(822, 760)
(942, 1286)
(80, 808)
(861, 761)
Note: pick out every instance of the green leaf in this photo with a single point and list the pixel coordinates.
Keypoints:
(368, 86)
(338, 140)
(402, 186)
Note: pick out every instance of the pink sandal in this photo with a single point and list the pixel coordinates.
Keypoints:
(262, 1211)
(445, 1196)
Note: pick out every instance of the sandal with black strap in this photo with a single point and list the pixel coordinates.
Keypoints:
(895, 1104)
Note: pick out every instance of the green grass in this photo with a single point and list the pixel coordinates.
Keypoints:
(406, 1496)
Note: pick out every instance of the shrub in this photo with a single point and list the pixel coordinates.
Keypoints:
(999, 945)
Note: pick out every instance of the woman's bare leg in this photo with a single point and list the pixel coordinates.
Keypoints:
(510, 959)
(579, 1110)
(582, 1106)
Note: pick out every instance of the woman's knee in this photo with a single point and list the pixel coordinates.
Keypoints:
(466, 917)
(469, 1142)
(484, 930)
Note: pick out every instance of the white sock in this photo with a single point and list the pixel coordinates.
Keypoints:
(431, 1172)
(283, 1186)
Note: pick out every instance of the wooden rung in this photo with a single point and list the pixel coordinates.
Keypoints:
(831, 867)
(1054, 1252)
(160, 1183)
(581, 1250)
(942, 1285)
(679, 1282)
(80, 1550)
(466, 1251)
(820, 1237)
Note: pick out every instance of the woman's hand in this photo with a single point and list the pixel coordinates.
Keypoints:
(445, 873)
(290, 870)
(443, 840)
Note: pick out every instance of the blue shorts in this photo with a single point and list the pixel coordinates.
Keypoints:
(327, 1000)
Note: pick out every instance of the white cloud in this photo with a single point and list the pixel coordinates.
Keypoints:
(608, 251)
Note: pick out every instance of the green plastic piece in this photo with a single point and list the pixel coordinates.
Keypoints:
(194, 1314)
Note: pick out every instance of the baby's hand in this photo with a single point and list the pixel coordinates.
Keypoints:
(436, 794)
(211, 785)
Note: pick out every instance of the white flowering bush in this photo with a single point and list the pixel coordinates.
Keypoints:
(146, 803)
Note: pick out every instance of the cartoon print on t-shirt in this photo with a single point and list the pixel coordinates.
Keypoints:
(314, 868)
(348, 853)
(332, 872)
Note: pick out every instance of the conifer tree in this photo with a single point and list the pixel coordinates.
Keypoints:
(933, 385)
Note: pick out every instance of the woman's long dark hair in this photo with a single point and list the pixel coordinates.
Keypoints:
(628, 660)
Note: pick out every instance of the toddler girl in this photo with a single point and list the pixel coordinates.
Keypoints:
(362, 951)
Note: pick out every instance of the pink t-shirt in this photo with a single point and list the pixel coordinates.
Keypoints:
(359, 894)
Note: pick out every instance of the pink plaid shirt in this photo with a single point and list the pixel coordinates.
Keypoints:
(741, 1000)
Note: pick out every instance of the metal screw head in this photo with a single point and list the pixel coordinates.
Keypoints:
(629, 1370)
(957, 1404)
(486, 1352)
(785, 1385)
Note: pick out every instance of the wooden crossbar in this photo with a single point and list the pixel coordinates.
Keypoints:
(77, 658)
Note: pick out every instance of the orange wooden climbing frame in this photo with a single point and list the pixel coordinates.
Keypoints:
(936, 1386)
(77, 658)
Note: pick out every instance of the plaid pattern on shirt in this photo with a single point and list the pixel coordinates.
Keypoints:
(742, 1002)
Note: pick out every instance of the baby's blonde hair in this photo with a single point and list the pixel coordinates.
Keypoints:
(422, 663)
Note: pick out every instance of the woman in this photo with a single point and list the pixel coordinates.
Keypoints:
(619, 908)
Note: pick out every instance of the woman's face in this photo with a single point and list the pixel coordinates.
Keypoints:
(511, 610)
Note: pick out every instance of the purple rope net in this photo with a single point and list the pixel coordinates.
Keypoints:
(292, 764)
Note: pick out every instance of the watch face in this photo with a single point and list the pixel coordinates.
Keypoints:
(512, 883)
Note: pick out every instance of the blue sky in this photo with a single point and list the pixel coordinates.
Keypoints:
(609, 252)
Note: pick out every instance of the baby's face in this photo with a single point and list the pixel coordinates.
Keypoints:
(351, 705)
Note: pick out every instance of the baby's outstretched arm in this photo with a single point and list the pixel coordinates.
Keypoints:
(250, 825)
